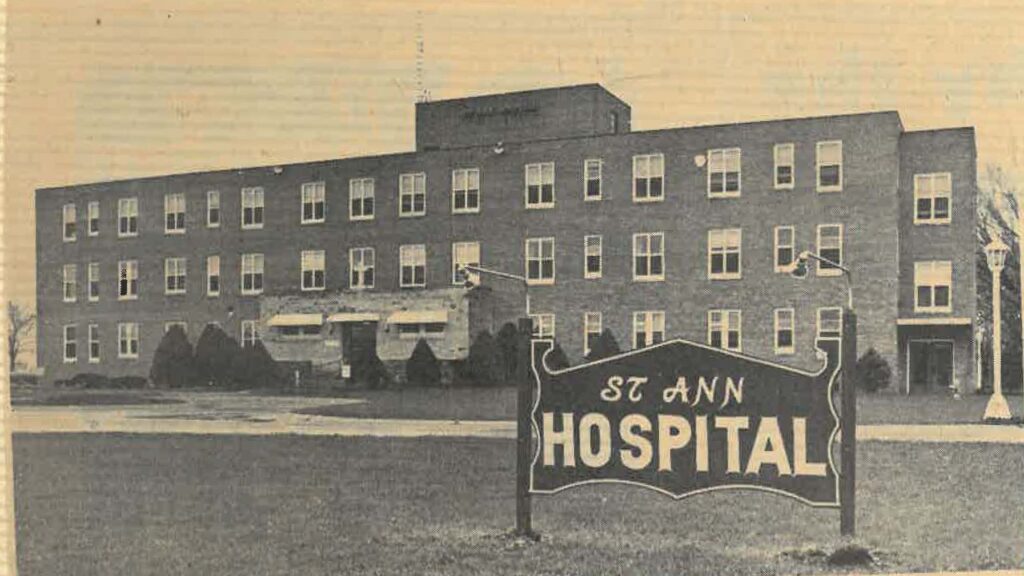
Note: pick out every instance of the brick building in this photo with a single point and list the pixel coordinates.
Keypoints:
(681, 232)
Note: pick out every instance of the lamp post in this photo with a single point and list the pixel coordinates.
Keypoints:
(997, 408)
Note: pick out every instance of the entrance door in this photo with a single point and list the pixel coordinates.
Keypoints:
(358, 341)
(931, 365)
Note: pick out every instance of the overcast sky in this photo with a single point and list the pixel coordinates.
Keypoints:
(102, 90)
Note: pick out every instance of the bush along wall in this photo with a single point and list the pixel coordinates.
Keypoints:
(422, 368)
(173, 365)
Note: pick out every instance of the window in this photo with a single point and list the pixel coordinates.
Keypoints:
(174, 213)
(648, 178)
(93, 273)
(213, 275)
(128, 280)
(174, 275)
(784, 161)
(648, 328)
(213, 209)
(464, 254)
(592, 179)
(830, 322)
(830, 166)
(933, 283)
(421, 330)
(725, 329)
(932, 193)
(128, 217)
(413, 262)
(178, 323)
(543, 325)
(313, 202)
(724, 172)
(465, 190)
(128, 340)
(361, 263)
(784, 331)
(540, 185)
(70, 277)
(70, 343)
(360, 194)
(412, 195)
(785, 247)
(252, 273)
(540, 260)
(70, 216)
(250, 332)
(302, 332)
(830, 247)
(94, 343)
(591, 330)
(725, 247)
(312, 269)
(252, 208)
(648, 257)
(93, 210)
(592, 256)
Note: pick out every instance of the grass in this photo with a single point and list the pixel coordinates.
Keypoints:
(889, 408)
(165, 504)
(48, 396)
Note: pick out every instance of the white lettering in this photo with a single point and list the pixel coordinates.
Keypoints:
(589, 423)
(673, 432)
(639, 455)
(732, 426)
(800, 464)
(565, 439)
(769, 448)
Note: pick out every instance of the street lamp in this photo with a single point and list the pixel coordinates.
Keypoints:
(997, 408)
(462, 269)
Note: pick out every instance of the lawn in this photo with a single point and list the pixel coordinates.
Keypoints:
(165, 504)
(49, 396)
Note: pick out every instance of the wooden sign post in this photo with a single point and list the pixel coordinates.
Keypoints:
(524, 404)
(848, 450)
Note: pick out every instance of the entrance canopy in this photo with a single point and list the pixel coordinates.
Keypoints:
(296, 320)
(419, 317)
(354, 317)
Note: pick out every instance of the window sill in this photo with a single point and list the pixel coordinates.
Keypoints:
(591, 198)
(648, 278)
(252, 227)
(94, 299)
(946, 310)
(412, 215)
(119, 357)
(208, 225)
(135, 235)
(637, 200)
(725, 276)
(305, 222)
(213, 294)
(544, 206)
(124, 298)
(715, 195)
(94, 360)
(591, 276)
(315, 289)
(421, 335)
(359, 218)
(251, 293)
(784, 186)
(72, 301)
(71, 360)
(70, 239)
(934, 222)
(412, 286)
(174, 232)
(829, 273)
(360, 288)
(785, 351)
(829, 189)
(465, 210)
(174, 293)
(540, 282)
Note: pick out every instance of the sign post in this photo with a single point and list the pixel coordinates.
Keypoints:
(524, 405)
(848, 474)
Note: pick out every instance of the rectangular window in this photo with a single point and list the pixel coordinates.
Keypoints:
(540, 185)
(361, 263)
(933, 284)
(313, 270)
(174, 213)
(94, 343)
(830, 247)
(784, 161)
(932, 195)
(174, 275)
(314, 204)
(648, 178)
(413, 263)
(422, 330)
(829, 163)
(128, 280)
(725, 248)
(128, 217)
(784, 331)
(592, 179)
(93, 273)
(540, 260)
(412, 195)
(648, 328)
(592, 254)
(70, 343)
(93, 209)
(725, 329)
(252, 208)
(252, 274)
(785, 247)
(591, 330)
(70, 224)
(648, 257)
(724, 172)
(830, 322)
(70, 278)
(465, 190)
(543, 325)
(360, 195)
(213, 275)
(464, 254)
(128, 340)
(213, 209)
(250, 332)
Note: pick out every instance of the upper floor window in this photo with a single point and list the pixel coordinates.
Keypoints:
(314, 205)
(592, 179)
(412, 194)
(174, 213)
(360, 194)
(465, 190)
(413, 263)
(540, 260)
(213, 209)
(540, 185)
(128, 217)
(784, 320)
(649, 257)
(70, 343)
(830, 322)
(724, 172)
(70, 225)
(252, 274)
(648, 328)
(648, 178)
(725, 248)
(252, 208)
(213, 275)
(830, 247)
(361, 264)
(830, 166)
(725, 329)
(592, 255)
(93, 209)
(785, 247)
(784, 162)
(127, 279)
(70, 282)
(174, 276)
(932, 194)
(543, 325)
(93, 273)
(591, 330)
(933, 283)
(464, 254)
(312, 270)
(128, 340)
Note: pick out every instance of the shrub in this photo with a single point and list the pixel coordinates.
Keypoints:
(507, 342)
(90, 380)
(23, 379)
(254, 368)
(556, 358)
(872, 372)
(172, 361)
(369, 370)
(215, 355)
(422, 368)
(484, 365)
(603, 346)
(128, 382)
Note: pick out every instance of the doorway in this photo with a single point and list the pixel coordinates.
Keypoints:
(358, 342)
(931, 365)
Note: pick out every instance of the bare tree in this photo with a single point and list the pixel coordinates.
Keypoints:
(21, 324)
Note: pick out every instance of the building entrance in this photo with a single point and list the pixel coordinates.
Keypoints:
(931, 365)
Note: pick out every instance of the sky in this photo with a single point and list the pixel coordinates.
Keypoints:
(104, 89)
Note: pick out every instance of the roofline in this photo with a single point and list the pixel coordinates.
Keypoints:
(949, 129)
(527, 91)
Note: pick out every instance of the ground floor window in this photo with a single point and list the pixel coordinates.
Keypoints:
(94, 343)
(128, 340)
(422, 330)
(591, 330)
(71, 343)
(830, 322)
(250, 332)
(648, 328)
(784, 330)
(725, 329)
(543, 325)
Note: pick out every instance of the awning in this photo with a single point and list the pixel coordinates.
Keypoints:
(418, 317)
(941, 321)
(297, 320)
(354, 317)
